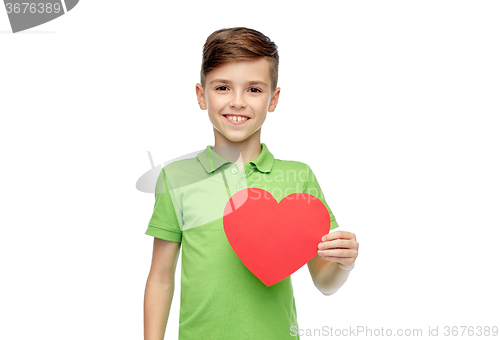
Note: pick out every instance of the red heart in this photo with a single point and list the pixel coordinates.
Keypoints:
(274, 240)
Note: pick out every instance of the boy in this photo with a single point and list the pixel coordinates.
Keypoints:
(220, 297)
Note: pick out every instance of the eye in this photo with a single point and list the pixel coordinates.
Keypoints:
(254, 88)
(221, 87)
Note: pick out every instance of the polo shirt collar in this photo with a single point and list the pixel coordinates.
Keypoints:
(264, 162)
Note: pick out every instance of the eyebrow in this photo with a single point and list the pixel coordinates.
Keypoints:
(252, 82)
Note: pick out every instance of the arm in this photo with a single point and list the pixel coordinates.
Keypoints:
(331, 266)
(327, 276)
(160, 288)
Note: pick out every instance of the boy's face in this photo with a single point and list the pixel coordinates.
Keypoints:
(230, 90)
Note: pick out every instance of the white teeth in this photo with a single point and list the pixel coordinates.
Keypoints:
(237, 119)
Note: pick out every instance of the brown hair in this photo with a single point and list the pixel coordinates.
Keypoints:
(238, 43)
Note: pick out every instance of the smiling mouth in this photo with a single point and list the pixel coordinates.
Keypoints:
(236, 119)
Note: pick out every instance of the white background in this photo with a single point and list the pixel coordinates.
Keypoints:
(394, 105)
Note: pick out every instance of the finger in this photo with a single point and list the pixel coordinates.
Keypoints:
(332, 258)
(338, 243)
(337, 234)
(339, 260)
(343, 253)
(332, 236)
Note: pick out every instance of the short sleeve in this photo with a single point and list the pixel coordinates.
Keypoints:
(164, 223)
(312, 188)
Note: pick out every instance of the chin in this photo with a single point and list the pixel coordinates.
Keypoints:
(235, 139)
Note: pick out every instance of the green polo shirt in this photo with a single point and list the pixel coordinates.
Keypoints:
(220, 297)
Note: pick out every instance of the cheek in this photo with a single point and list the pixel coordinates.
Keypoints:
(258, 104)
(214, 102)
(263, 106)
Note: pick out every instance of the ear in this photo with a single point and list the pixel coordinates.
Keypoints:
(200, 95)
(274, 100)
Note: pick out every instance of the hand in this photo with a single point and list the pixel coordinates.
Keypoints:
(341, 247)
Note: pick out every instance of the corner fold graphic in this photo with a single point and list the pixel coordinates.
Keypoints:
(70, 4)
(24, 15)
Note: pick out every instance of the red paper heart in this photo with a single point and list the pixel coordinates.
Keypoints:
(274, 240)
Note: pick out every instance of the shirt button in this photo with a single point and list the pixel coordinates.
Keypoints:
(234, 170)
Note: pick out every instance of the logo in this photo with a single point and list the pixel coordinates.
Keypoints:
(26, 14)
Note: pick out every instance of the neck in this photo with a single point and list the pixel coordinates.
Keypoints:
(249, 148)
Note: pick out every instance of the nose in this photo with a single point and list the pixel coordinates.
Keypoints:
(237, 101)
